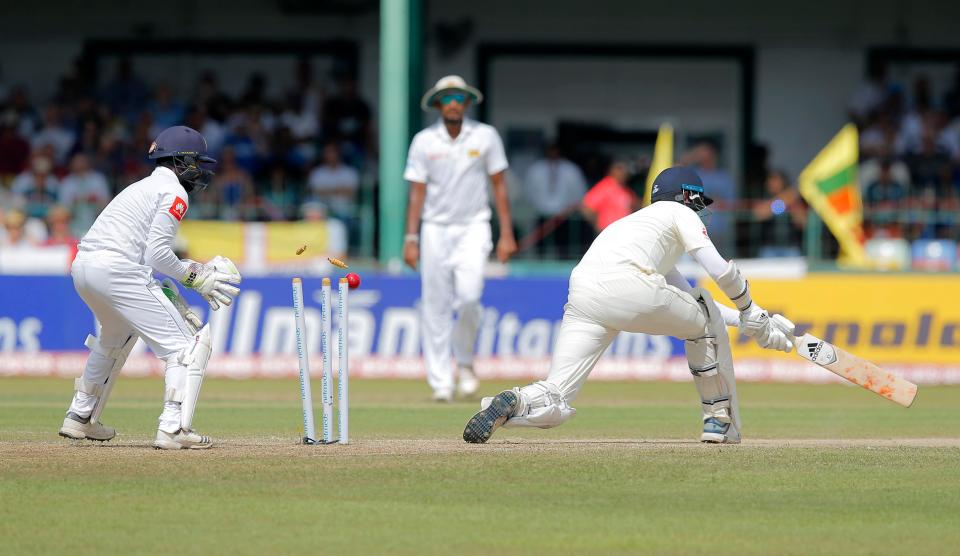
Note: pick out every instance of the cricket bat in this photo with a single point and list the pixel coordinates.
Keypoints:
(858, 371)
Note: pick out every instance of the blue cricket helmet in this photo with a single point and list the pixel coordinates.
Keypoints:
(187, 149)
(672, 182)
(180, 140)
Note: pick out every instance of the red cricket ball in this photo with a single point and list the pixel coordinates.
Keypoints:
(353, 280)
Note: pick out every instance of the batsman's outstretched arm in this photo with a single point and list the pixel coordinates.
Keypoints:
(754, 320)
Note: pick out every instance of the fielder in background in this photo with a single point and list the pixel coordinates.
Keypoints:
(113, 273)
(627, 281)
(449, 167)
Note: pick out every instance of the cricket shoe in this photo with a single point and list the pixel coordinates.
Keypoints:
(80, 428)
(718, 432)
(181, 440)
(443, 395)
(469, 384)
(480, 427)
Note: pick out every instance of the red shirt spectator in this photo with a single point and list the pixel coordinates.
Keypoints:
(610, 199)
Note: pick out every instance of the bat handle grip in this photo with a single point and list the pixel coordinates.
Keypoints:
(787, 327)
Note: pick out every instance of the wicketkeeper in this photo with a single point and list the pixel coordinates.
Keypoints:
(627, 281)
(113, 273)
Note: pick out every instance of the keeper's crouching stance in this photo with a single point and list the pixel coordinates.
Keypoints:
(627, 281)
(113, 274)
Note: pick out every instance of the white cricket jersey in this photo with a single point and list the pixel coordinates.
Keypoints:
(141, 222)
(456, 171)
(651, 239)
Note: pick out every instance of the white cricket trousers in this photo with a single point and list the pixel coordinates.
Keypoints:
(126, 301)
(601, 304)
(452, 258)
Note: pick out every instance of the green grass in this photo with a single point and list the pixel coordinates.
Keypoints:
(607, 482)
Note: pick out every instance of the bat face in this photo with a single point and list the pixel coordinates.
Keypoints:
(817, 350)
(858, 371)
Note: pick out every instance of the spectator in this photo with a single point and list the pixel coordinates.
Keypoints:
(20, 230)
(84, 192)
(920, 119)
(166, 111)
(930, 166)
(3, 86)
(720, 187)
(871, 169)
(302, 127)
(126, 95)
(610, 199)
(286, 150)
(211, 129)
(303, 103)
(58, 229)
(281, 197)
(951, 99)
(248, 144)
(109, 156)
(89, 138)
(55, 134)
(14, 150)
(232, 187)
(134, 163)
(335, 184)
(869, 95)
(346, 117)
(949, 139)
(885, 192)
(783, 216)
(28, 119)
(15, 232)
(878, 137)
(555, 187)
(256, 92)
(211, 100)
(36, 189)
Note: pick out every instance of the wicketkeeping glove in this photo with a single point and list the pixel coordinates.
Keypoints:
(213, 281)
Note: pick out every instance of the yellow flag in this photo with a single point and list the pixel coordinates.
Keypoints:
(831, 186)
(662, 158)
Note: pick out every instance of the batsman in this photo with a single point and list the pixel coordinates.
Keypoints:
(113, 274)
(627, 281)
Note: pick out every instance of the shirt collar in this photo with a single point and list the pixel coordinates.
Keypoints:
(165, 173)
(465, 129)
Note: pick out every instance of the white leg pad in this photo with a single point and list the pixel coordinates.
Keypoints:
(711, 364)
(541, 406)
(102, 391)
(195, 360)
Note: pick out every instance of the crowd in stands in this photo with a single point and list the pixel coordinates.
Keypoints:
(62, 159)
(910, 156)
(305, 153)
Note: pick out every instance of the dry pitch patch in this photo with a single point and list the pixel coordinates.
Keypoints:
(77, 451)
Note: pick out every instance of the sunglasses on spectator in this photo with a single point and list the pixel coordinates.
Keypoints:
(460, 98)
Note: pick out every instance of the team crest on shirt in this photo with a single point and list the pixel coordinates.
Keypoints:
(178, 208)
(473, 153)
